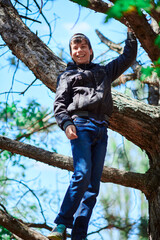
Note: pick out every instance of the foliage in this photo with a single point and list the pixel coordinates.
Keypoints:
(121, 7)
(5, 234)
(83, 3)
(23, 122)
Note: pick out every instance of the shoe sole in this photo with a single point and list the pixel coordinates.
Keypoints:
(55, 238)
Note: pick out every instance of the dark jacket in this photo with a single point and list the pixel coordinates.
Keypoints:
(88, 87)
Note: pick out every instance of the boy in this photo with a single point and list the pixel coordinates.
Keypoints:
(83, 105)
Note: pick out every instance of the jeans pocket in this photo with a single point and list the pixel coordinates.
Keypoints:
(78, 121)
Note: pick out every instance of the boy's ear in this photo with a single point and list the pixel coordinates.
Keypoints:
(71, 54)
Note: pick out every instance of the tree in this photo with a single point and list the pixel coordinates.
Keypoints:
(139, 122)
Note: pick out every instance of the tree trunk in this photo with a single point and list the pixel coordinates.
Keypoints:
(154, 214)
(154, 197)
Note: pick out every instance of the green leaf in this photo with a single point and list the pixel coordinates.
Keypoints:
(146, 72)
(83, 3)
(125, 6)
(157, 41)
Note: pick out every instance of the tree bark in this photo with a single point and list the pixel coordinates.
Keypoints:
(27, 47)
(128, 179)
(154, 215)
(138, 122)
(18, 228)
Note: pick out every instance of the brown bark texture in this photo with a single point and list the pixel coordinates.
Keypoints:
(18, 228)
(128, 179)
(28, 47)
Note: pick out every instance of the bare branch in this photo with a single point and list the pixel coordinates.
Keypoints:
(152, 80)
(31, 19)
(96, 5)
(19, 228)
(134, 118)
(37, 129)
(110, 226)
(30, 190)
(155, 13)
(29, 86)
(39, 225)
(36, 55)
(124, 78)
(113, 46)
(128, 179)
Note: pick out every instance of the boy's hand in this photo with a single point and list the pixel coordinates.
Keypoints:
(71, 132)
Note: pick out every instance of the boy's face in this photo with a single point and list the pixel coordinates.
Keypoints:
(80, 52)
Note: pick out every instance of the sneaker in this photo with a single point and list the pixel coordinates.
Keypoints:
(58, 233)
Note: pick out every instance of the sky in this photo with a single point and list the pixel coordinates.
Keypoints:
(66, 19)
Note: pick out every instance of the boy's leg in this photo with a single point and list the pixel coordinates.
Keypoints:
(84, 211)
(81, 149)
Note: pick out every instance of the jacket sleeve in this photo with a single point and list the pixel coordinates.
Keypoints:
(119, 65)
(62, 100)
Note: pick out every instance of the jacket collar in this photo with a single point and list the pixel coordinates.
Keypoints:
(74, 66)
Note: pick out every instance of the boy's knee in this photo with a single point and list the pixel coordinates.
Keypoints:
(82, 179)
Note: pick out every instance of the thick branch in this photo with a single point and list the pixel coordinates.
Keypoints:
(128, 179)
(29, 48)
(18, 228)
(138, 122)
(155, 13)
(96, 5)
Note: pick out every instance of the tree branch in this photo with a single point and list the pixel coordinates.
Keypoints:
(39, 225)
(152, 80)
(113, 46)
(124, 78)
(96, 5)
(134, 119)
(18, 228)
(29, 48)
(128, 179)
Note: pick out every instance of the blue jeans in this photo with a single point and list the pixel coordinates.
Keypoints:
(88, 151)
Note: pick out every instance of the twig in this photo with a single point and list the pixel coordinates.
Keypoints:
(30, 19)
(20, 182)
(22, 93)
(1, 205)
(41, 6)
(23, 5)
